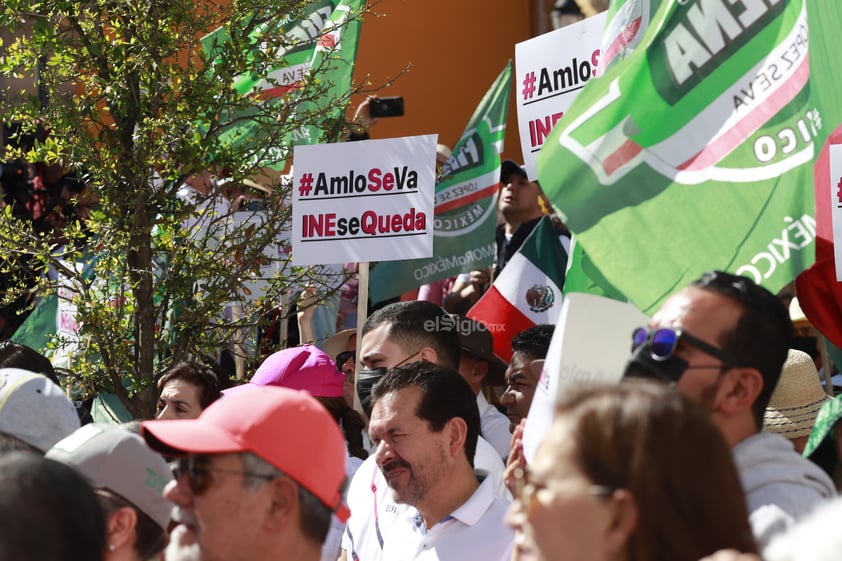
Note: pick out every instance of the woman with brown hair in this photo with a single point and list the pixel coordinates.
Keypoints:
(631, 472)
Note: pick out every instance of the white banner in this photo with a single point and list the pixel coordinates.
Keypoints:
(363, 201)
(595, 349)
(550, 70)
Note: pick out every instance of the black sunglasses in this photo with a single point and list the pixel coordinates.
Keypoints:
(664, 341)
(343, 357)
(199, 472)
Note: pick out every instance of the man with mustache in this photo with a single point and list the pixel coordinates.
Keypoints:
(400, 334)
(425, 424)
(259, 474)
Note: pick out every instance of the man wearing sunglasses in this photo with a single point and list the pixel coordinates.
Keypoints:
(258, 476)
(723, 341)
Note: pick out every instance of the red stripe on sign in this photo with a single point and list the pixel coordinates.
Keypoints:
(751, 123)
(466, 200)
(502, 319)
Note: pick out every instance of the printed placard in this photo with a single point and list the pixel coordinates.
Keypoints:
(551, 70)
(363, 201)
(591, 344)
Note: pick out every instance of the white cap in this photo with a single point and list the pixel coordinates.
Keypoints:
(34, 409)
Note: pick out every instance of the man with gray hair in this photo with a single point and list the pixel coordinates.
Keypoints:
(258, 476)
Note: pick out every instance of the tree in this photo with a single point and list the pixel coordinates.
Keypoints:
(136, 107)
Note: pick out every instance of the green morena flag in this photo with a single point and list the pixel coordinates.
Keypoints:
(324, 40)
(695, 151)
(466, 203)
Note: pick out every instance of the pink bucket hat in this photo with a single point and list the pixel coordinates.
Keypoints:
(305, 368)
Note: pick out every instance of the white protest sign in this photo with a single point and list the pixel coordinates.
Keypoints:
(836, 205)
(550, 70)
(363, 201)
(591, 344)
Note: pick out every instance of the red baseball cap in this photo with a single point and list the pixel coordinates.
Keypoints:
(287, 428)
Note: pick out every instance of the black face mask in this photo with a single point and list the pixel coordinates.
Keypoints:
(642, 365)
(366, 378)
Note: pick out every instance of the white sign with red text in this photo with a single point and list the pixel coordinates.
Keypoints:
(370, 200)
(550, 70)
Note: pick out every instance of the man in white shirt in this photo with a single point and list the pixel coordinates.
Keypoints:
(425, 426)
(401, 333)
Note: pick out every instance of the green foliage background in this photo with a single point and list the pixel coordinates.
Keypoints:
(132, 107)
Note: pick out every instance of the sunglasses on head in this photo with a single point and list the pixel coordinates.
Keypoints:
(200, 473)
(664, 341)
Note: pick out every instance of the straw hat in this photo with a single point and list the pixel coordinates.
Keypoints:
(797, 398)
(338, 342)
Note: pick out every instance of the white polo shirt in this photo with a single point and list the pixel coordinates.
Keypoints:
(475, 530)
(374, 512)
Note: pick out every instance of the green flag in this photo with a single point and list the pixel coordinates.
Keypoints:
(324, 40)
(40, 326)
(466, 203)
(695, 152)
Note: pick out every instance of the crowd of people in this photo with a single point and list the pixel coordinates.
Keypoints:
(718, 443)
(407, 444)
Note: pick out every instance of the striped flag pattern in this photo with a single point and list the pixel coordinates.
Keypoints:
(527, 292)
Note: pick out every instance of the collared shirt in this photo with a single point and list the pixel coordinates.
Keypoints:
(475, 530)
(494, 426)
(374, 513)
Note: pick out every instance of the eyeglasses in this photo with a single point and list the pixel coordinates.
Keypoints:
(199, 472)
(525, 488)
(664, 341)
(343, 357)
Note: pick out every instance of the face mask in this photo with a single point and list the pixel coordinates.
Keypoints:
(366, 378)
(643, 365)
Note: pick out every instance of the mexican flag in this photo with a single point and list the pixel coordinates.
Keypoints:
(323, 39)
(695, 151)
(527, 292)
(465, 203)
(819, 293)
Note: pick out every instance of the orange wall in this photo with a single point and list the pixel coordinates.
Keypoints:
(456, 49)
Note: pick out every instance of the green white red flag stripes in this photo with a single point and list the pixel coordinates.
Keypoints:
(527, 292)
